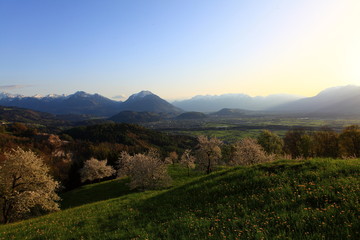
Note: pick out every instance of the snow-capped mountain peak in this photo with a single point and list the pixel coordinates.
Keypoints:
(140, 95)
(38, 96)
(81, 94)
(55, 96)
(9, 95)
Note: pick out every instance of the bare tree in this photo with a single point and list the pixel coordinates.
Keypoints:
(95, 169)
(146, 171)
(248, 152)
(25, 186)
(187, 160)
(208, 153)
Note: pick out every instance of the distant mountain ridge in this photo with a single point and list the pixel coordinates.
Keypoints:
(342, 101)
(336, 101)
(212, 103)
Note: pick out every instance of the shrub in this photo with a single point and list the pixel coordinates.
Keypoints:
(270, 142)
(349, 141)
(298, 143)
(326, 143)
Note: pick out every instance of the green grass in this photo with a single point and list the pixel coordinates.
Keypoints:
(315, 199)
(94, 193)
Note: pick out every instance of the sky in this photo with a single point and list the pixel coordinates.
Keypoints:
(178, 49)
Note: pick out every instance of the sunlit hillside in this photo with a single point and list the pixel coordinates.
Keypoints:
(315, 199)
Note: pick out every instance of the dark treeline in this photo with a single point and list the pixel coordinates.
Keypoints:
(107, 141)
(66, 152)
(303, 143)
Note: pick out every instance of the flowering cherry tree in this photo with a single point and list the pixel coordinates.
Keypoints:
(25, 186)
(95, 169)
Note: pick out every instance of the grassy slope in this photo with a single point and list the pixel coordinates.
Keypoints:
(287, 200)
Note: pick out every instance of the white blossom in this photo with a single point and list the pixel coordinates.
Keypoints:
(25, 184)
(146, 171)
(95, 169)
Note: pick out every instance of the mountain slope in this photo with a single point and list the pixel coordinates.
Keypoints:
(191, 116)
(93, 104)
(145, 101)
(230, 112)
(14, 114)
(344, 100)
(281, 200)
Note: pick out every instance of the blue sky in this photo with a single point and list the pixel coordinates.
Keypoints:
(178, 49)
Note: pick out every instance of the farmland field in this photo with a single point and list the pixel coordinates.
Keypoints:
(233, 129)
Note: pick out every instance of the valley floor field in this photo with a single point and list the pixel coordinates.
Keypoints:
(232, 129)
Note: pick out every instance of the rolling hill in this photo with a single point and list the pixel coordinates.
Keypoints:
(137, 117)
(313, 199)
(14, 114)
(191, 115)
(230, 112)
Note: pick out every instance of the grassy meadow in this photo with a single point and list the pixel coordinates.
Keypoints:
(313, 199)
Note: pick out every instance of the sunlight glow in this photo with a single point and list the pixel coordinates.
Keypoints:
(179, 49)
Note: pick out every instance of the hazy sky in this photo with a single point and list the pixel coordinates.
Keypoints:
(178, 49)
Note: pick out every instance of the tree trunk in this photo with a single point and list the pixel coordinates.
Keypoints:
(5, 212)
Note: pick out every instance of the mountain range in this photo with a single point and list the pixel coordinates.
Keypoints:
(77, 103)
(337, 101)
(90, 104)
(212, 103)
